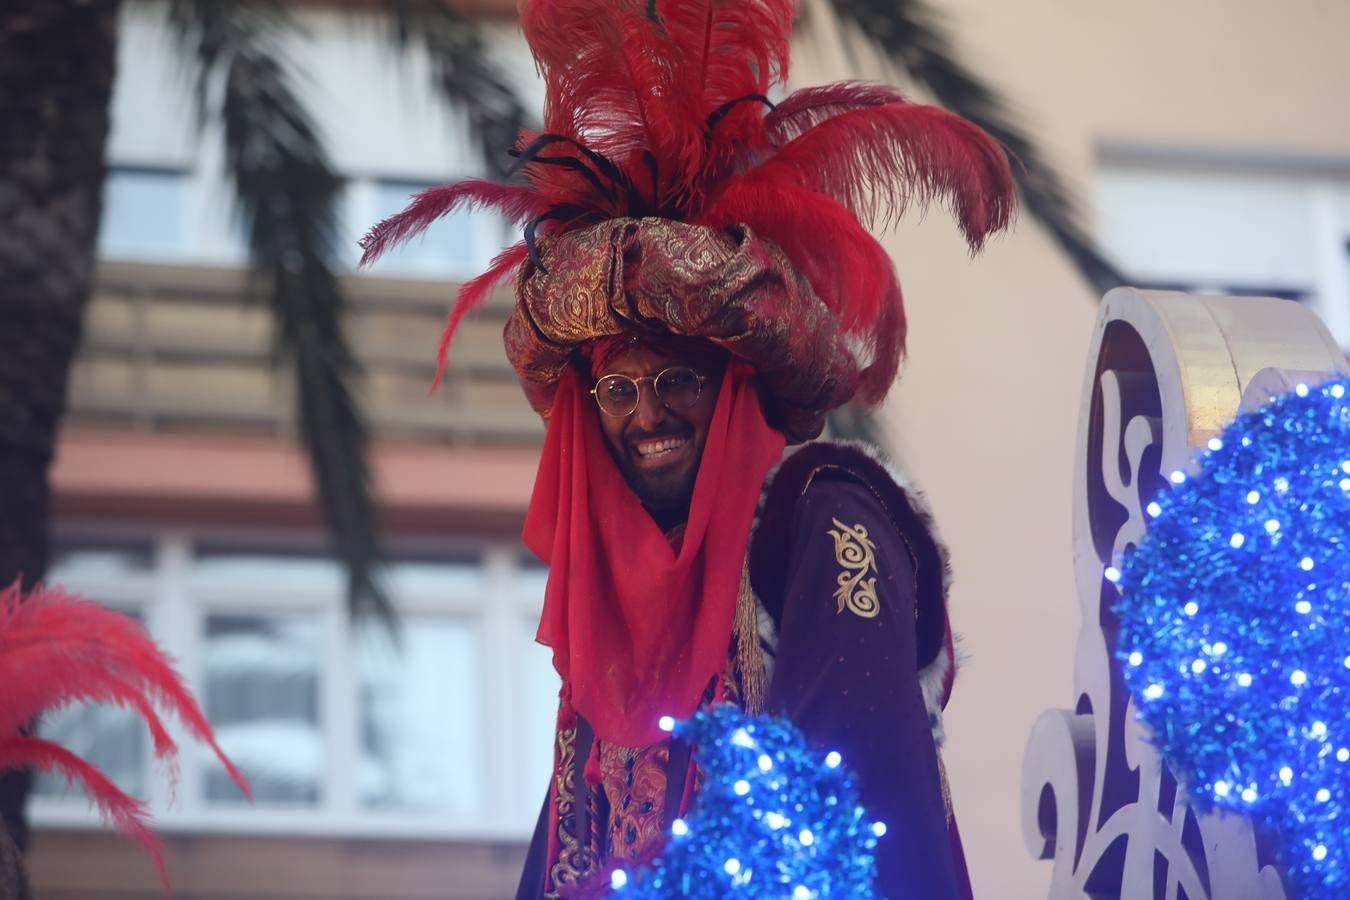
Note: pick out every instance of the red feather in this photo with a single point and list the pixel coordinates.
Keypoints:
(472, 294)
(806, 108)
(517, 204)
(597, 82)
(721, 51)
(125, 812)
(877, 161)
(56, 650)
(627, 86)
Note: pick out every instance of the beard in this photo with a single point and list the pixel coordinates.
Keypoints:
(664, 491)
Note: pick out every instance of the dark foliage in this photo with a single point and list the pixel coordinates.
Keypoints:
(287, 196)
(464, 74)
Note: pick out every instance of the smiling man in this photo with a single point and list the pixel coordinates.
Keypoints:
(656, 404)
(695, 291)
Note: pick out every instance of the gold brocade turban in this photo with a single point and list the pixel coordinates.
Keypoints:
(667, 194)
(654, 277)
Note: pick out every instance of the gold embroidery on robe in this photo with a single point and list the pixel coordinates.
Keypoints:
(576, 858)
(856, 553)
(745, 669)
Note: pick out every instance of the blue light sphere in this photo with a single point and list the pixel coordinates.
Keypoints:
(774, 818)
(1235, 629)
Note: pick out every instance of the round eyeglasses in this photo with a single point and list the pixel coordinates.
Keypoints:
(678, 387)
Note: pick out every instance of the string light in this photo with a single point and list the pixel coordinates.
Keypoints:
(1235, 624)
(773, 818)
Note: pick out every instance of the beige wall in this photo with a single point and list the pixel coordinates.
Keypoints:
(985, 417)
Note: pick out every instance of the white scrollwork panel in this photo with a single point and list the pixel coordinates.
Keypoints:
(1166, 372)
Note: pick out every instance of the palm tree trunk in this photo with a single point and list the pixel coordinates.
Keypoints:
(56, 73)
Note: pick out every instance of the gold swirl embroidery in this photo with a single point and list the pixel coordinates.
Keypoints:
(575, 859)
(856, 552)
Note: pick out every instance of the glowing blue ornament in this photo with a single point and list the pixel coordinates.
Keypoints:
(774, 818)
(1251, 554)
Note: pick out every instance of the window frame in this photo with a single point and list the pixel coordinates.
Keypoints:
(175, 612)
(1324, 189)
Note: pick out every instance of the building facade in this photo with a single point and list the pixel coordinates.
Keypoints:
(1205, 145)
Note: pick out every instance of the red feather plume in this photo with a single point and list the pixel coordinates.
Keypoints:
(807, 107)
(517, 204)
(660, 108)
(472, 295)
(921, 152)
(56, 650)
(124, 812)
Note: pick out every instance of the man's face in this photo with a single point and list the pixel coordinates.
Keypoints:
(658, 448)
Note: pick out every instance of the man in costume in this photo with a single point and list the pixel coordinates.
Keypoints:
(695, 291)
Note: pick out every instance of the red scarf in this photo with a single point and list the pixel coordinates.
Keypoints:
(637, 628)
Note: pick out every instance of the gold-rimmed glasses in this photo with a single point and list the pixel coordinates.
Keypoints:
(678, 387)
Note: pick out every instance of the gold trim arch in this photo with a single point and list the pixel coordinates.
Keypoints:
(1166, 372)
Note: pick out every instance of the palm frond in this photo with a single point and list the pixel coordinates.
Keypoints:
(464, 73)
(911, 34)
(287, 194)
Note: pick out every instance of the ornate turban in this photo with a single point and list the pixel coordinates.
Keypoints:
(653, 277)
(667, 195)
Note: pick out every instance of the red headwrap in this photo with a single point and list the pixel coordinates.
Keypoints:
(639, 629)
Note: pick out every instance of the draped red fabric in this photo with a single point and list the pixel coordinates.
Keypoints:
(638, 629)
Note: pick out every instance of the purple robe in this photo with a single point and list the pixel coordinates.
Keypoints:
(852, 583)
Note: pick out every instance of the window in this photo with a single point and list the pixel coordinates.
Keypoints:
(1240, 232)
(262, 689)
(446, 732)
(162, 214)
(143, 214)
(417, 703)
